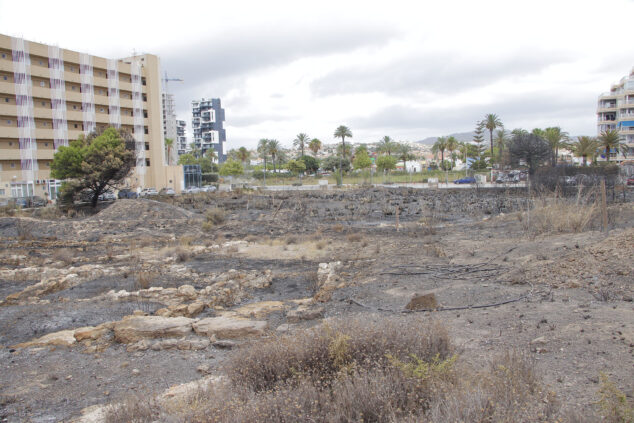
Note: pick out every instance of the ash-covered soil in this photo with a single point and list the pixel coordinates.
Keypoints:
(142, 295)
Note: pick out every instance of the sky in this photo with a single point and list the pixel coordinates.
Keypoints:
(406, 69)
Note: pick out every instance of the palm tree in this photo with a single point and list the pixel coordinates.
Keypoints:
(451, 146)
(301, 141)
(343, 132)
(274, 151)
(211, 154)
(314, 146)
(491, 121)
(263, 151)
(405, 154)
(556, 138)
(501, 139)
(243, 155)
(611, 140)
(585, 146)
(169, 143)
(440, 146)
(386, 145)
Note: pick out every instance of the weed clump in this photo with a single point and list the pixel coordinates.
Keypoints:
(366, 370)
(213, 217)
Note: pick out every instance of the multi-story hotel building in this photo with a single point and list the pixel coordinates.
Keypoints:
(181, 138)
(169, 125)
(50, 95)
(207, 126)
(616, 111)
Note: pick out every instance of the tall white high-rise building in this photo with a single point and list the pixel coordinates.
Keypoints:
(615, 111)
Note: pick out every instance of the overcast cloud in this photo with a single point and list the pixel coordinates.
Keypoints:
(405, 69)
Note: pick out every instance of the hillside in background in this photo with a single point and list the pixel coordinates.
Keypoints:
(460, 136)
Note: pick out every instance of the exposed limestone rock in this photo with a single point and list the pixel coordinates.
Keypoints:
(91, 332)
(227, 327)
(259, 310)
(141, 327)
(63, 338)
(328, 280)
(304, 313)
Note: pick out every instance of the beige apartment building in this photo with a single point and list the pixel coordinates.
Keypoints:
(50, 95)
(615, 111)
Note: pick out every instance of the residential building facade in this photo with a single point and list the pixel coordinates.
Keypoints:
(50, 95)
(208, 126)
(169, 127)
(615, 111)
(181, 138)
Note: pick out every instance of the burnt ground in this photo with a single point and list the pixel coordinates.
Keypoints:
(567, 295)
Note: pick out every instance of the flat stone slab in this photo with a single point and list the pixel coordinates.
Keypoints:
(229, 328)
(136, 328)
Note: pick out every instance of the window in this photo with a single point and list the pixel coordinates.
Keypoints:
(145, 130)
(6, 100)
(4, 77)
(8, 122)
(144, 113)
(42, 84)
(74, 107)
(10, 143)
(101, 109)
(147, 146)
(41, 63)
(45, 144)
(147, 162)
(12, 164)
(4, 56)
(144, 97)
(44, 103)
(143, 80)
(73, 88)
(75, 126)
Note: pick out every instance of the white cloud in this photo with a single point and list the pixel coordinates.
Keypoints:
(402, 68)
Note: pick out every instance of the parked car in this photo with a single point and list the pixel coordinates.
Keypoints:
(127, 193)
(630, 181)
(467, 180)
(27, 202)
(107, 196)
(148, 192)
(208, 188)
(167, 191)
(191, 190)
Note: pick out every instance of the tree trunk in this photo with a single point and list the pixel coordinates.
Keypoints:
(491, 141)
(584, 160)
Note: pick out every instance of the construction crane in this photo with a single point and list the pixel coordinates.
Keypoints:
(167, 79)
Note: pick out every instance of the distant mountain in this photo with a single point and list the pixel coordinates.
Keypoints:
(460, 136)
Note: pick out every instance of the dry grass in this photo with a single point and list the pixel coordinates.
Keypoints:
(387, 370)
(215, 216)
(338, 227)
(64, 255)
(560, 217)
(145, 278)
(186, 240)
(354, 237)
(180, 254)
(291, 240)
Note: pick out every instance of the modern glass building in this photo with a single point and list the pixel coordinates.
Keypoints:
(207, 126)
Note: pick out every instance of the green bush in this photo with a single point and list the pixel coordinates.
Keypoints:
(210, 178)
